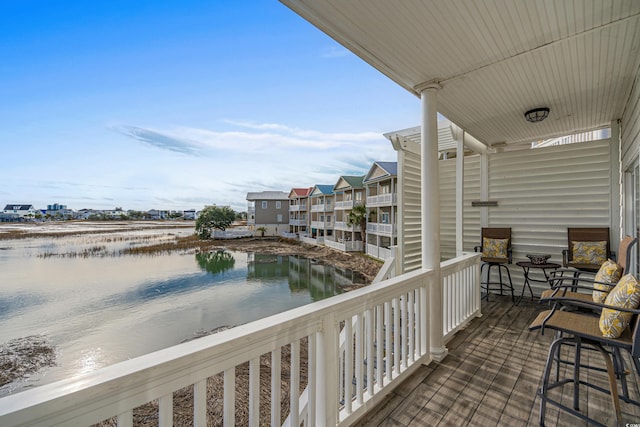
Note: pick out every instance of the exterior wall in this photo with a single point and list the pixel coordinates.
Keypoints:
(274, 219)
(540, 193)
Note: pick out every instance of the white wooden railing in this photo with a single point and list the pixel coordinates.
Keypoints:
(378, 251)
(382, 229)
(460, 292)
(343, 225)
(382, 200)
(385, 329)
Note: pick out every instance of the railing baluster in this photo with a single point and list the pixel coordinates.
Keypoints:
(311, 381)
(388, 344)
(126, 419)
(404, 332)
(229, 405)
(276, 371)
(254, 392)
(348, 364)
(359, 360)
(368, 316)
(397, 336)
(294, 410)
(200, 403)
(165, 410)
(410, 327)
(379, 346)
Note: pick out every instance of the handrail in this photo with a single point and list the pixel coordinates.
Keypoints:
(384, 342)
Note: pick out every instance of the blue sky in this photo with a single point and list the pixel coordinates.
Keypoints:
(181, 104)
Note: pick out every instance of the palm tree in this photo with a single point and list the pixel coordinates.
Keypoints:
(358, 217)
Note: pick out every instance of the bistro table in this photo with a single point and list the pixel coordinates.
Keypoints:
(527, 266)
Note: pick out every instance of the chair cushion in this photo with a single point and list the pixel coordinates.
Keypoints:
(610, 273)
(626, 294)
(589, 252)
(494, 248)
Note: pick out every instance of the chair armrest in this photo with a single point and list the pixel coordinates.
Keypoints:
(556, 282)
(589, 304)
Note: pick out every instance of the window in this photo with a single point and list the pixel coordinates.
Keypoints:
(384, 217)
(358, 196)
(264, 204)
(279, 217)
(278, 204)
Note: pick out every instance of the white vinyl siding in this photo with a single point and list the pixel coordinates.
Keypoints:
(540, 193)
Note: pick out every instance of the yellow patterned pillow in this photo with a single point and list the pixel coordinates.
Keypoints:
(626, 294)
(589, 252)
(494, 248)
(610, 273)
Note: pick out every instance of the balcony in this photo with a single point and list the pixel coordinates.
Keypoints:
(321, 208)
(490, 378)
(382, 200)
(342, 225)
(382, 229)
(298, 222)
(386, 323)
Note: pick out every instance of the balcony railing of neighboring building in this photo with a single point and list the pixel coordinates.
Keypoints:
(386, 324)
(387, 199)
(297, 222)
(294, 208)
(321, 208)
(378, 252)
(382, 229)
(342, 225)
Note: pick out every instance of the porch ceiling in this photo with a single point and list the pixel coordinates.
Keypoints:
(496, 59)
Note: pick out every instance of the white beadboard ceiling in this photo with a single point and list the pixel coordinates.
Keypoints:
(496, 59)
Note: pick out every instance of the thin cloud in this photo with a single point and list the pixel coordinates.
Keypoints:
(335, 52)
(250, 136)
(161, 140)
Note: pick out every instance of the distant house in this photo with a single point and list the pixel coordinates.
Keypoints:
(321, 202)
(268, 209)
(19, 212)
(349, 192)
(382, 203)
(299, 211)
(189, 214)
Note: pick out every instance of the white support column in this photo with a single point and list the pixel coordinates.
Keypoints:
(460, 196)
(484, 188)
(430, 204)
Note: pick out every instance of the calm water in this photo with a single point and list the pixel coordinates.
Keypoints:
(99, 310)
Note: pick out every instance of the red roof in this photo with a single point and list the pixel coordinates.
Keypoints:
(301, 192)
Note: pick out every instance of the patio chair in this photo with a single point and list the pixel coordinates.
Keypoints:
(568, 286)
(587, 249)
(496, 253)
(583, 332)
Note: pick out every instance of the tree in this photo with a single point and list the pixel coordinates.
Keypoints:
(212, 217)
(358, 217)
(262, 230)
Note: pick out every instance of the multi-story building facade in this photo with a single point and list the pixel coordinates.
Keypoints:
(299, 211)
(268, 210)
(348, 192)
(381, 183)
(321, 203)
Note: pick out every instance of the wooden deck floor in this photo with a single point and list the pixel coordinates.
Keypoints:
(490, 378)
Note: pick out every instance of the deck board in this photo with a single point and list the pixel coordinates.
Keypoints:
(490, 378)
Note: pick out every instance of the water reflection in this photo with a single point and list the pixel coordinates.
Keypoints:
(215, 262)
(303, 274)
(98, 311)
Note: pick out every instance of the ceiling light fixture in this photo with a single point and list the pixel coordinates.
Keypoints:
(537, 114)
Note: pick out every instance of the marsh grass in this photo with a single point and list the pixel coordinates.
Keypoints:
(24, 356)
